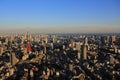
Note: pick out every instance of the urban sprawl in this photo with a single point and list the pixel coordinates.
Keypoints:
(59, 56)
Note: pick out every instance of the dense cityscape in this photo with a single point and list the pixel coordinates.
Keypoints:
(59, 56)
(59, 39)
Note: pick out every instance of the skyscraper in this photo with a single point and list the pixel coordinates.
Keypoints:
(104, 40)
(72, 44)
(84, 48)
(78, 55)
(84, 52)
(13, 59)
(111, 59)
(86, 41)
(45, 49)
(78, 46)
(1, 50)
(107, 39)
(112, 39)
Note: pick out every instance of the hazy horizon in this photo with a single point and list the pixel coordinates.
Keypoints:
(63, 29)
(60, 16)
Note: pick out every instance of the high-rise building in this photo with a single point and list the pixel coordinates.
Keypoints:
(11, 71)
(31, 73)
(13, 59)
(84, 52)
(52, 45)
(70, 67)
(46, 40)
(104, 40)
(111, 59)
(36, 38)
(108, 39)
(53, 38)
(78, 55)
(22, 39)
(44, 49)
(86, 41)
(112, 39)
(1, 50)
(85, 48)
(6, 40)
(11, 38)
(72, 44)
(63, 46)
(78, 46)
(0, 42)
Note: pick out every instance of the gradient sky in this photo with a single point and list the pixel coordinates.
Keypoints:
(49, 16)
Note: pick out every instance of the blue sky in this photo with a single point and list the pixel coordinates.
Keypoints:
(58, 15)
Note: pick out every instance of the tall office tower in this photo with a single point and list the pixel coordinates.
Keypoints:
(1, 50)
(84, 52)
(25, 35)
(28, 36)
(72, 44)
(85, 48)
(36, 38)
(0, 42)
(44, 44)
(93, 38)
(71, 67)
(22, 39)
(11, 71)
(13, 59)
(104, 40)
(53, 38)
(31, 73)
(78, 55)
(52, 45)
(107, 39)
(63, 46)
(44, 49)
(28, 46)
(78, 46)
(86, 41)
(11, 38)
(112, 39)
(46, 39)
(6, 40)
(111, 59)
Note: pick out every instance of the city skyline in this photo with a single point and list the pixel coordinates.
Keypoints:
(63, 16)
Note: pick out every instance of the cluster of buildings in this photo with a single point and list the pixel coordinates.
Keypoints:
(59, 57)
